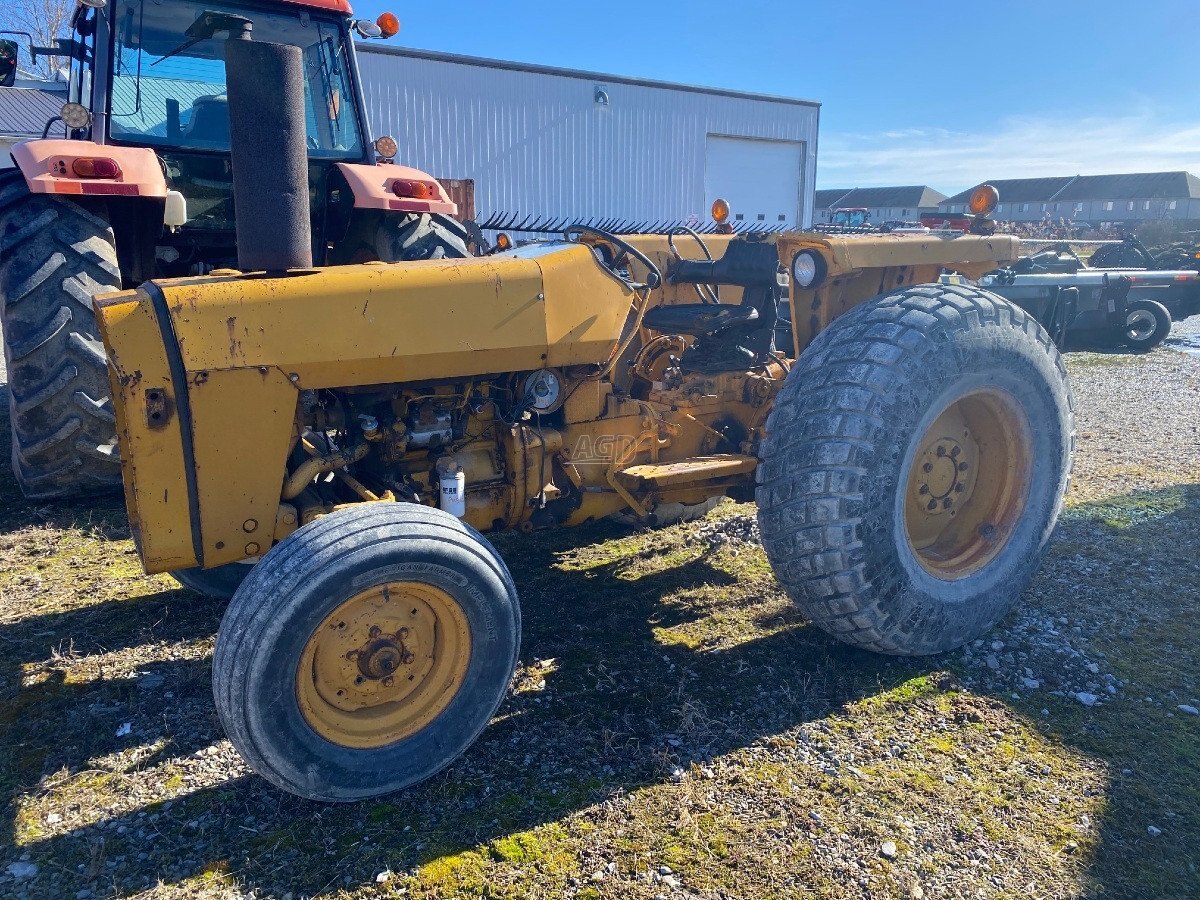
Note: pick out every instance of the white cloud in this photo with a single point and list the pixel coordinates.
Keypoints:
(1017, 147)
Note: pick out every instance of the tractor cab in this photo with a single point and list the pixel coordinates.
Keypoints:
(851, 217)
(150, 75)
(137, 173)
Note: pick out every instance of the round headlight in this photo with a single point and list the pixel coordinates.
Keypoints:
(75, 116)
(808, 269)
(386, 146)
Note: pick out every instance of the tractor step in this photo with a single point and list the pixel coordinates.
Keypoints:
(687, 471)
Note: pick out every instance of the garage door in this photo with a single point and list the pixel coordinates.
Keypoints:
(760, 179)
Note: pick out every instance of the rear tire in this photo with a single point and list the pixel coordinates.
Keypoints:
(421, 236)
(1147, 324)
(310, 640)
(54, 257)
(927, 376)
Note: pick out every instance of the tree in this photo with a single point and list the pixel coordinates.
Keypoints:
(45, 20)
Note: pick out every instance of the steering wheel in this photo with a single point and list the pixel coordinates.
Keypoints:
(653, 275)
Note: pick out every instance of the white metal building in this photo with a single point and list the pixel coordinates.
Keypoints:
(564, 144)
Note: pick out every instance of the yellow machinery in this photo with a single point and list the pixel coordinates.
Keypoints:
(325, 446)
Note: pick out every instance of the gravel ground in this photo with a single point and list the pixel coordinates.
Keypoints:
(674, 731)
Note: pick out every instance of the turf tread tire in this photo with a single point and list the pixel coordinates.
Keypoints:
(833, 456)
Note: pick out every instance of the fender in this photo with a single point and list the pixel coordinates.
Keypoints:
(372, 189)
(47, 167)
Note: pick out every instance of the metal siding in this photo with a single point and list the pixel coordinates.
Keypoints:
(537, 143)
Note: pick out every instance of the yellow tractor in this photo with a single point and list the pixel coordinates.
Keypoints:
(329, 445)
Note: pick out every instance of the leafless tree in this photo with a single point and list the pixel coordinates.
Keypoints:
(45, 20)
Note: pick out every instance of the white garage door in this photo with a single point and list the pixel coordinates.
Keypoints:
(760, 179)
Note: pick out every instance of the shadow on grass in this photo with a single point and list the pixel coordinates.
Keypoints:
(620, 710)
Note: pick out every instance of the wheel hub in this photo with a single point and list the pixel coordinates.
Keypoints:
(383, 664)
(945, 474)
(1139, 325)
(967, 483)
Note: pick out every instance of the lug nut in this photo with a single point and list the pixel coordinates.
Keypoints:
(375, 631)
(932, 505)
(928, 467)
(947, 503)
(924, 489)
(389, 681)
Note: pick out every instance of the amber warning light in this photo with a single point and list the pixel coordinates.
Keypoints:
(389, 25)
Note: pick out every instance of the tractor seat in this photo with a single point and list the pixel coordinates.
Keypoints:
(698, 319)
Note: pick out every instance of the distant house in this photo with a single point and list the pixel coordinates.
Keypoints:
(1093, 198)
(24, 113)
(886, 204)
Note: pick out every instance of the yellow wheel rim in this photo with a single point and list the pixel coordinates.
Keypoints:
(968, 484)
(383, 665)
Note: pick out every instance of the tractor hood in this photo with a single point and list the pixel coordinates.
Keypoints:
(207, 372)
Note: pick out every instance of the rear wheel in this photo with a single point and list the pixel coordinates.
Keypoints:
(54, 257)
(421, 236)
(366, 651)
(914, 468)
(1147, 324)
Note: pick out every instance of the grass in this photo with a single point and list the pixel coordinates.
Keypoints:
(689, 719)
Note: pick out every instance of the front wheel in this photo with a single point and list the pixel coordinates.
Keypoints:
(1147, 324)
(366, 651)
(914, 467)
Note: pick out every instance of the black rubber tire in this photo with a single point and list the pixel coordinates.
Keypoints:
(1161, 331)
(54, 256)
(1119, 256)
(421, 236)
(299, 582)
(220, 583)
(838, 449)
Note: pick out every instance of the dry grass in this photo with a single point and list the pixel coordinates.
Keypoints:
(672, 711)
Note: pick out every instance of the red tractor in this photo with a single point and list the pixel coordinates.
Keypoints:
(136, 183)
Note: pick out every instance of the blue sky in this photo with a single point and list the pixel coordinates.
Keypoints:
(935, 92)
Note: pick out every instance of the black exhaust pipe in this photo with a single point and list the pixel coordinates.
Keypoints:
(269, 156)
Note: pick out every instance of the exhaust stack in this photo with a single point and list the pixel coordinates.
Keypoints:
(269, 156)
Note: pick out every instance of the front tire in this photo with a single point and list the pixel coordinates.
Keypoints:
(914, 467)
(54, 257)
(366, 651)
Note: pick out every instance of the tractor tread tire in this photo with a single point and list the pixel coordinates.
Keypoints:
(338, 550)
(55, 255)
(421, 236)
(831, 464)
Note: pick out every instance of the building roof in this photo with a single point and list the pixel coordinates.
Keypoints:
(1018, 190)
(915, 196)
(24, 112)
(598, 77)
(828, 198)
(1137, 186)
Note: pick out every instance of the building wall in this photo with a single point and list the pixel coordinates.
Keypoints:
(539, 143)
